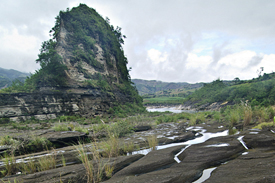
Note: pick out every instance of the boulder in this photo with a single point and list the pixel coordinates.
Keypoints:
(142, 128)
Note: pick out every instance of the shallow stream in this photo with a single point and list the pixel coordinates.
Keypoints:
(170, 109)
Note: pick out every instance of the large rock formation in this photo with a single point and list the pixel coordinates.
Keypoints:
(83, 71)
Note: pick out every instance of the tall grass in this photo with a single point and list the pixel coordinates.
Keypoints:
(152, 142)
(197, 118)
(10, 165)
(94, 165)
(128, 147)
(47, 162)
(247, 115)
(29, 165)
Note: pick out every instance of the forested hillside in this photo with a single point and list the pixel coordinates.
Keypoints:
(8, 75)
(258, 91)
(149, 88)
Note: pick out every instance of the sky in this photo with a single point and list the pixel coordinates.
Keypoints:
(173, 41)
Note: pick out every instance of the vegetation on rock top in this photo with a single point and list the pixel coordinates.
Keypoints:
(86, 30)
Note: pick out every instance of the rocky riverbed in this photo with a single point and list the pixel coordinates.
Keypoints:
(183, 154)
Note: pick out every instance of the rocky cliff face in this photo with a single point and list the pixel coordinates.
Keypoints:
(96, 77)
(49, 105)
(90, 48)
(79, 71)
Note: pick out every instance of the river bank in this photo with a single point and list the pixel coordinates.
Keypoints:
(182, 152)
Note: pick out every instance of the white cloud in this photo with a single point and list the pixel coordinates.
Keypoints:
(239, 60)
(156, 56)
(268, 63)
(198, 62)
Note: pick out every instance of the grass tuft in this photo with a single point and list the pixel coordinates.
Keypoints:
(152, 142)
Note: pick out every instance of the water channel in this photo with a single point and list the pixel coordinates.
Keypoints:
(205, 136)
(170, 109)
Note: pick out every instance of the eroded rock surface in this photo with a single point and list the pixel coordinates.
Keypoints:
(233, 161)
(194, 160)
(73, 173)
(255, 166)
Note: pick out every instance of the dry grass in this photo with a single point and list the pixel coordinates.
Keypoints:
(152, 142)
(247, 115)
(93, 162)
(128, 147)
(111, 146)
(47, 162)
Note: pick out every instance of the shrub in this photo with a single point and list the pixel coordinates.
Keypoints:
(120, 128)
(38, 143)
(4, 120)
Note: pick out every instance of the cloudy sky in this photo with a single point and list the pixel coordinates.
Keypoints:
(177, 41)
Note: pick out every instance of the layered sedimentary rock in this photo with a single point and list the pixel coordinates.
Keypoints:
(48, 105)
(95, 79)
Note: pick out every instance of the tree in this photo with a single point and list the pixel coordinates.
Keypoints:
(236, 80)
(52, 72)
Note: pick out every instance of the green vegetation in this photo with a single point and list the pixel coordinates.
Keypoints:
(153, 88)
(152, 142)
(163, 100)
(70, 127)
(42, 163)
(87, 33)
(263, 125)
(32, 144)
(96, 167)
(7, 76)
(8, 140)
(260, 91)
(51, 73)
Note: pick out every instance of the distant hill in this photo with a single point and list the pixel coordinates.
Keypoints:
(8, 75)
(159, 88)
(257, 91)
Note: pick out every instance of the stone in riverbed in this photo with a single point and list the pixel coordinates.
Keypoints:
(142, 128)
(65, 137)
